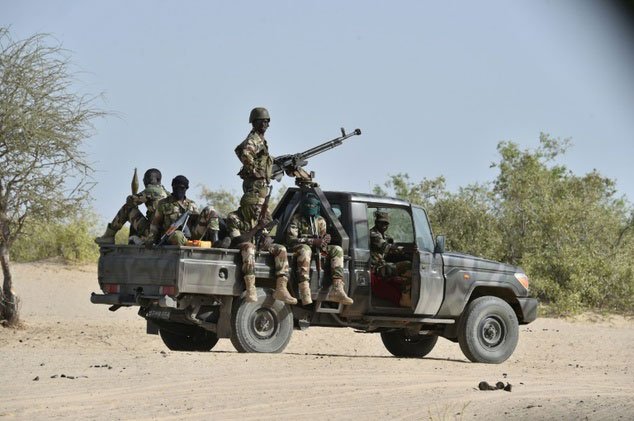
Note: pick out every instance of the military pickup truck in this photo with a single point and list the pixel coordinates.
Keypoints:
(193, 296)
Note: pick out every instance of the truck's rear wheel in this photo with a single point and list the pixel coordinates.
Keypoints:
(401, 344)
(264, 326)
(488, 330)
(179, 337)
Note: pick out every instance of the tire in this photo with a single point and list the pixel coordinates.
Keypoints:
(402, 345)
(488, 330)
(179, 337)
(265, 326)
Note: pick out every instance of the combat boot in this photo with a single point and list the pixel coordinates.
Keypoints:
(337, 294)
(304, 293)
(252, 295)
(281, 292)
(107, 237)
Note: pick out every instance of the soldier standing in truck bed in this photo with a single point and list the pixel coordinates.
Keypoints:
(129, 212)
(253, 152)
(307, 230)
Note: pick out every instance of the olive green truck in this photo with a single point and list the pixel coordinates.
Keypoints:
(193, 296)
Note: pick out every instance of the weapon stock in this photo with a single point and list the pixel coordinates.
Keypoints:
(293, 162)
(172, 228)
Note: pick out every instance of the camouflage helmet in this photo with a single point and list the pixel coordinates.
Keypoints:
(259, 113)
(381, 216)
(180, 180)
(251, 198)
(152, 176)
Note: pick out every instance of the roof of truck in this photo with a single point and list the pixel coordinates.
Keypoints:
(365, 197)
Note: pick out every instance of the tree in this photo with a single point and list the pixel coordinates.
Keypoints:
(44, 174)
(571, 233)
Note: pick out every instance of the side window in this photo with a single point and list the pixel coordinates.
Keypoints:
(361, 230)
(401, 228)
(424, 238)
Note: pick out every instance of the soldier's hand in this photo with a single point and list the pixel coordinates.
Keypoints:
(325, 240)
(130, 200)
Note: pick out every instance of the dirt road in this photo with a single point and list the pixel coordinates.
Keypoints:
(76, 360)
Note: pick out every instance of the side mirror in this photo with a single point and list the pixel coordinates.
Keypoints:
(440, 244)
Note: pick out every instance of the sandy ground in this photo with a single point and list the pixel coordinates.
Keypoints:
(76, 360)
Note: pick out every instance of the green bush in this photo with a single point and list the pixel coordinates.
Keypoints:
(71, 240)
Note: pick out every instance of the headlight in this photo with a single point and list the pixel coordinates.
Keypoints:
(523, 279)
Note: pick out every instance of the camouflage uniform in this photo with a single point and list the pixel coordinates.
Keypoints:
(390, 281)
(300, 235)
(241, 222)
(257, 164)
(129, 212)
(168, 211)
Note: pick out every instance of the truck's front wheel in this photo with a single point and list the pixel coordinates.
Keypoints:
(264, 326)
(401, 344)
(187, 338)
(488, 330)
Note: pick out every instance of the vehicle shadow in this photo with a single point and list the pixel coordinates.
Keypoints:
(387, 357)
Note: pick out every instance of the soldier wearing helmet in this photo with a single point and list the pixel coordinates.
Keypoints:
(390, 281)
(170, 209)
(242, 225)
(306, 231)
(129, 212)
(253, 152)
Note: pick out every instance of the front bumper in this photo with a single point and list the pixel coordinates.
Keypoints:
(529, 309)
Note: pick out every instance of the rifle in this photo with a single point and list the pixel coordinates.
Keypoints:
(135, 183)
(294, 162)
(256, 231)
(316, 250)
(172, 228)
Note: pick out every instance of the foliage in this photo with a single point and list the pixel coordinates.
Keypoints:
(571, 233)
(71, 240)
(44, 173)
(225, 201)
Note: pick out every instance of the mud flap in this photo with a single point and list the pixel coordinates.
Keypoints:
(223, 328)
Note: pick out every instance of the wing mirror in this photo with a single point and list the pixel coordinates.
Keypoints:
(440, 244)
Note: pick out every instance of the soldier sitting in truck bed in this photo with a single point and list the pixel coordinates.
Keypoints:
(129, 212)
(243, 225)
(390, 281)
(170, 209)
(307, 230)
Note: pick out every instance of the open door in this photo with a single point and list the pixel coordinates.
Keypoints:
(428, 282)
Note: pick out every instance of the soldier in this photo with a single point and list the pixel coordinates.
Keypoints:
(242, 226)
(253, 152)
(170, 209)
(306, 230)
(139, 223)
(391, 281)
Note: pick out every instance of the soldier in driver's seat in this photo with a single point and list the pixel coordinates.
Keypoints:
(390, 281)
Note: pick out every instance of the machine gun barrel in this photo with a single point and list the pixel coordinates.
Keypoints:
(329, 144)
(295, 161)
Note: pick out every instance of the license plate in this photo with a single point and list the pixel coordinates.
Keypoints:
(158, 314)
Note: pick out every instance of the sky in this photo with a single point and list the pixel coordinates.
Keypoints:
(433, 85)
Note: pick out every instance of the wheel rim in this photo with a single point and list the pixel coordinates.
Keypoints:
(264, 323)
(491, 332)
